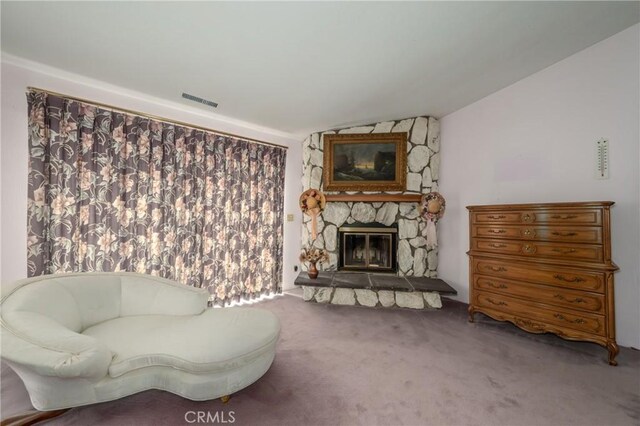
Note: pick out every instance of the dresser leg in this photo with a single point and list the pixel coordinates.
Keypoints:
(471, 313)
(613, 349)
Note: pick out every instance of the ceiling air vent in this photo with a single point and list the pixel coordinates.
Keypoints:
(199, 100)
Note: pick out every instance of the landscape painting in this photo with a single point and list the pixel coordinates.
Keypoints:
(376, 161)
(365, 162)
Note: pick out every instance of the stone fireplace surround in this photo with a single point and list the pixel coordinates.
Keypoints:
(423, 166)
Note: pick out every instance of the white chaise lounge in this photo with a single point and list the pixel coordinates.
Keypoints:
(77, 339)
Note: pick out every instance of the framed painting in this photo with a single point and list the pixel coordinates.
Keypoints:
(365, 162)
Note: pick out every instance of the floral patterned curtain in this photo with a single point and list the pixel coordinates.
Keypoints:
(109, 191)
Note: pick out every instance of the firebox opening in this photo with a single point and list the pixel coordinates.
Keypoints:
(368, 247)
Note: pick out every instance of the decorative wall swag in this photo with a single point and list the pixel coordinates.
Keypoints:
(432, 208)
(312, 202)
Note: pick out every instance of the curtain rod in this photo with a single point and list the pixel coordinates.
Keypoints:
(153, 117)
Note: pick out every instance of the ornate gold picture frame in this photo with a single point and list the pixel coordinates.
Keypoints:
(365, 162)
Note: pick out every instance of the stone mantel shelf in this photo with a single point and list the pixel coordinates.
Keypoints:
(402, 198)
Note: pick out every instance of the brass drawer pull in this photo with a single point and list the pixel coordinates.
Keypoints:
(499, 303)
(567, 216)
(528, 217)
(529, 248)
(566, 234)
(494, 285)
(564, 251)
(495, 269)
(569, 280)
(576, 300)
(494, 245)
(496, 231)
(575, 321)
(496, 217)
(528, 232)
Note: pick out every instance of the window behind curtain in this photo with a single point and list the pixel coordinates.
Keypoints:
(111, 191)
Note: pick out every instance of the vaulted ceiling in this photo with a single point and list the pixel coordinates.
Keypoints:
(309, 66)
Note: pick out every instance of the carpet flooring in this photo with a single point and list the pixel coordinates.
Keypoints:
(342, 365)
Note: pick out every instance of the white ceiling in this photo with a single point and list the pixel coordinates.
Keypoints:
(303, 67)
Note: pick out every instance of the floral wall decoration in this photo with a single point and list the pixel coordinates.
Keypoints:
(111, 191)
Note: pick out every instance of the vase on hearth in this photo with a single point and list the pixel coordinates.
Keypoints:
(313, 256)
(312, 271)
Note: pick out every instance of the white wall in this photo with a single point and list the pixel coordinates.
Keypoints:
(17, 74)
(534, 142)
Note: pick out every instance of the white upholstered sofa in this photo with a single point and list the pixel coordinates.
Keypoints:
(77, 339)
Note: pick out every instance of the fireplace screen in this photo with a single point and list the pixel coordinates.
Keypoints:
(368, 248)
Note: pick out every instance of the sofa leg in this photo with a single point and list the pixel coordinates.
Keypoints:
(32, 417)
(224, 399)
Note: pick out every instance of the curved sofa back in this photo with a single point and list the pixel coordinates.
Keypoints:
(78, 301)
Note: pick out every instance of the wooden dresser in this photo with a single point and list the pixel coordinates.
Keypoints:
(545, 268)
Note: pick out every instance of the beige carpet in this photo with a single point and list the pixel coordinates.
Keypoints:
(340, 365)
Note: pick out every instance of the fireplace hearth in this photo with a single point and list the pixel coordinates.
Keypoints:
(368, 247)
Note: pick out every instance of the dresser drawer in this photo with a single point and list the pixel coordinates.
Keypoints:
(574, 299)
(497, 217)
(577, 234)
(537, 274)
(578, 217)
(539, 249)
(582, 321)
(585, 217)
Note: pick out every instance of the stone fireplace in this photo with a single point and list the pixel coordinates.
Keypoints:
(423, 166)
(367, 247)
